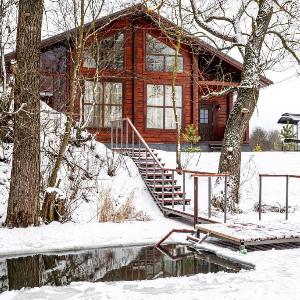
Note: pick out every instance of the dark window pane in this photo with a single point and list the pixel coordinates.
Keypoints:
(204, 116)
(170, 64)
(160, 57)
(106, 53)
(54, 60)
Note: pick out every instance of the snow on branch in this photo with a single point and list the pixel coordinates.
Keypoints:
(285, 45)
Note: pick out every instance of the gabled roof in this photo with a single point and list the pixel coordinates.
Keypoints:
(139, 10)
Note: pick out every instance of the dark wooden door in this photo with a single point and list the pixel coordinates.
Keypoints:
(206, 122)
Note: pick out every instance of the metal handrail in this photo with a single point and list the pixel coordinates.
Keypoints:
(287, 176)
(158, 166)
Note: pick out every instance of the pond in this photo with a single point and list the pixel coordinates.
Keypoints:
(109, 264)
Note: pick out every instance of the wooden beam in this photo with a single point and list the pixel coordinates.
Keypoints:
(217, 83)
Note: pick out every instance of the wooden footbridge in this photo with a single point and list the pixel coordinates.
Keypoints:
(170, 195)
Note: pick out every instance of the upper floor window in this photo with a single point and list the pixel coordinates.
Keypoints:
(107, 53)
(160, 57)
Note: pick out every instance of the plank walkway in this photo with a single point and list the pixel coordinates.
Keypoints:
(253, 234)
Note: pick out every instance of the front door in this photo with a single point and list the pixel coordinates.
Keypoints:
(206, 122)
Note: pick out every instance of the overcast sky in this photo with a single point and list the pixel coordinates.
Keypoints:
(277, 99)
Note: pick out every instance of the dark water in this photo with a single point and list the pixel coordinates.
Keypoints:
(110, 264)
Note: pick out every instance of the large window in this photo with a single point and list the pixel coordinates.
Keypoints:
(106, 53)
(160, 112)
(102, 103)
(160, 57)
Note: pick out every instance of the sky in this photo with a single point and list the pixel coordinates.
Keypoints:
(281, 97)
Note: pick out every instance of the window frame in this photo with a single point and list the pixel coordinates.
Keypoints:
(102, 104)
(98, 40)
(165, 56)
(164, 107)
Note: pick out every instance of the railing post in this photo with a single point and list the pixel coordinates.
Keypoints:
(260, 197)
(225, 200)
(146, 164)
(209, 197)
(173, 189)
(287, 198)
(195, 201)
(126, 135)
(139, 152)
(117, 144)
(183, 189)
(132, 141)
(154, 176)
(111, 136)
(122, 136)
(163, 186)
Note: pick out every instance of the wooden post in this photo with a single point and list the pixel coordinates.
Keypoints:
(195, 201)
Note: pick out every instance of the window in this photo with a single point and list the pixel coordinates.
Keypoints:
(203, 116)
(160, 57)
(106, 54)
(102, 103)
(160, 113)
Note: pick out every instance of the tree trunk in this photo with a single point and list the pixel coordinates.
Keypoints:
(23, 206)
(174, 105)
(238, 121)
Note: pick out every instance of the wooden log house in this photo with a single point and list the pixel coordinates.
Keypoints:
(136, 56)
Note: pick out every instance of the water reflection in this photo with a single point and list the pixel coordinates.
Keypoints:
(112, 264)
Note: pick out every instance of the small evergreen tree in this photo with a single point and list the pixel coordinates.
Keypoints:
(190, 135)
(287, 132)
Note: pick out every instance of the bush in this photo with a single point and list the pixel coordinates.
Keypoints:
(109, 211)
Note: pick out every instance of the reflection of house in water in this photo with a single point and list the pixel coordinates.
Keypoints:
(113, 264)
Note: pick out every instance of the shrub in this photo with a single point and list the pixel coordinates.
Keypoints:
(109, 211)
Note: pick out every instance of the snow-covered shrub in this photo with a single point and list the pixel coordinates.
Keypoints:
(110, 211)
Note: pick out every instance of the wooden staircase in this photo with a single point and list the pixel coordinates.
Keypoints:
(167, 193)
(160, 182)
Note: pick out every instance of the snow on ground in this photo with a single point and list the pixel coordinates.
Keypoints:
(253, 164)
(276, 273)
(71, 236)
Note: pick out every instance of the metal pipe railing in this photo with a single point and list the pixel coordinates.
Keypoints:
(287, 177)
(158, 167)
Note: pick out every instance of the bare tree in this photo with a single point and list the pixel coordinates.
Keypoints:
(7, 38)
(24, 197)
(264, 32)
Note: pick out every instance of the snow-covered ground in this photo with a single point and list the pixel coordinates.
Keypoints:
(253, 164)
(276, 275)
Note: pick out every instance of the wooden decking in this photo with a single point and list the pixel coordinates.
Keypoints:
(253, 234)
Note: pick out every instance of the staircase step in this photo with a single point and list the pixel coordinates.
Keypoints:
(132, 150)
(149, 164)
(141, 155)
(167, 194)
(159, 180)
(157, 175)
(165, 187)
(152, 169)
(143, 160)
(176, 202)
